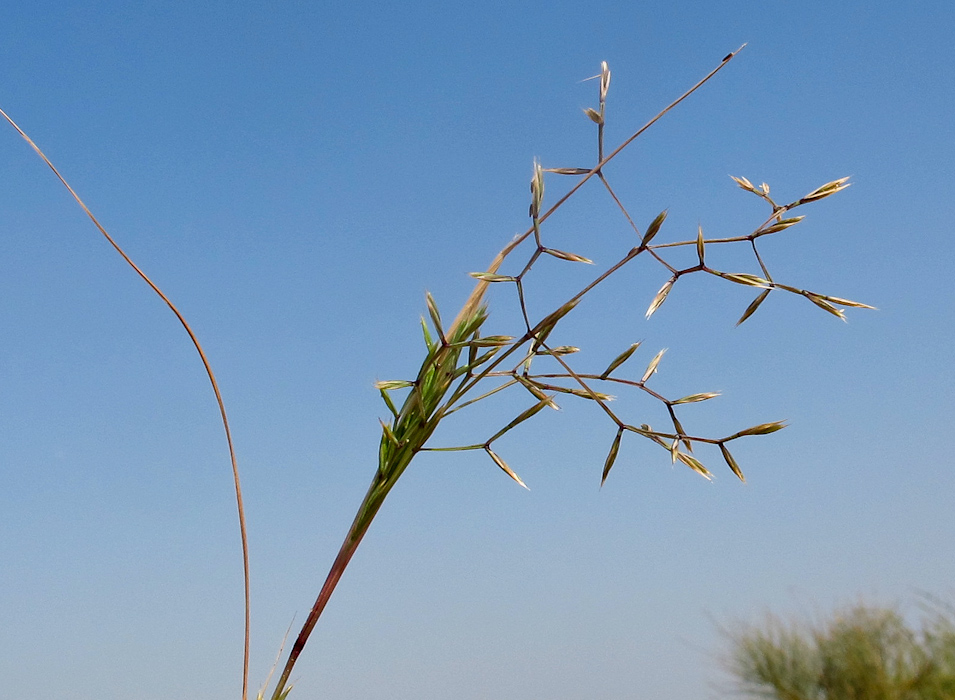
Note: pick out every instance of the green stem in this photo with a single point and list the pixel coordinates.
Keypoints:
(413, 427)
(366, 513)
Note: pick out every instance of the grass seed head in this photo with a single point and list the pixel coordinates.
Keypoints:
(503, 465)
(747, 279)
(829, 188)
(846, 302)
(619, 360)
(537, 190)
(435, 316)
(751, 309)
(652, 367)
(782, 224)
(567, 171)
(731, 462)
(392, 384)
(560, 350)
(744, 183)
(536, 391)
(491, 277)
(604, 81)
(696, 465)
(571, 257)
(695, 398)
(491, 341)
(611, 456)
(761, 429)
(594, 115)
(821, 302)
(661, 296)
(654, 228)
(523, 416)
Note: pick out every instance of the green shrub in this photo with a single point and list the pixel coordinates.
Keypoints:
(861, 653)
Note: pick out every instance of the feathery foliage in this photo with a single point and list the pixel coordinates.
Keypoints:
(861, 653)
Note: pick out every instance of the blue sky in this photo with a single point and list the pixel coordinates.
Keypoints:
(295, 176)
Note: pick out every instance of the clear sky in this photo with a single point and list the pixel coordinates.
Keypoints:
(295, 176)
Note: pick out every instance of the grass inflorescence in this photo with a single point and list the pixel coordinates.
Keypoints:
(462, 367)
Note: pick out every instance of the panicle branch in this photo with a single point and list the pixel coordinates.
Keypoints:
(509, 362)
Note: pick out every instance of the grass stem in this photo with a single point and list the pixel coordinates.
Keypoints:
(212, 380)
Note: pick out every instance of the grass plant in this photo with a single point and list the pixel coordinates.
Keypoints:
(461, 366)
